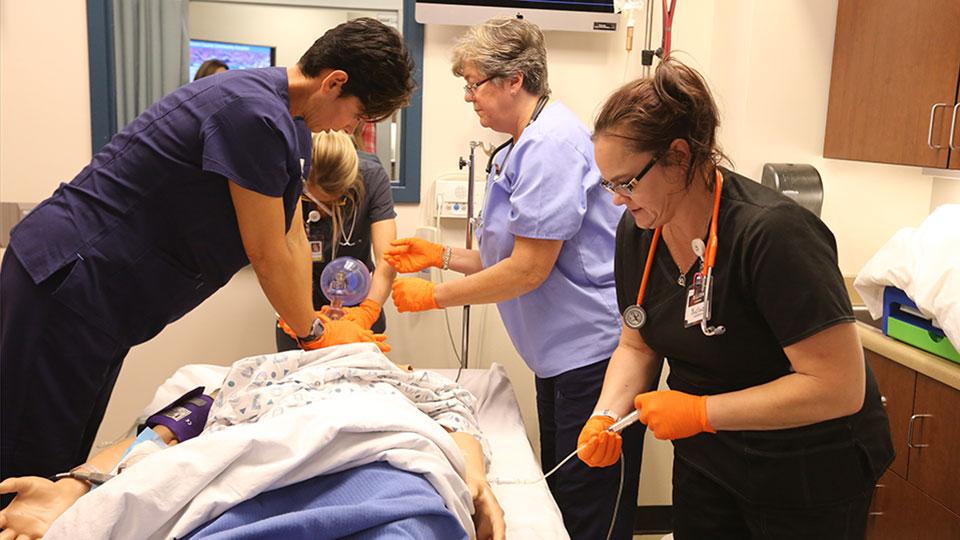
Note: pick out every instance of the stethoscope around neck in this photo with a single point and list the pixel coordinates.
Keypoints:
(635, 316)
(314, 216)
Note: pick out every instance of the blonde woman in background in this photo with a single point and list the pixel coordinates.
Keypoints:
(347, 210)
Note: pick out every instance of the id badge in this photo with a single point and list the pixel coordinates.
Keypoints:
(696, 296)
(316, 250)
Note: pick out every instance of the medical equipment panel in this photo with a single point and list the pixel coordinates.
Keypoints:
(451, 197)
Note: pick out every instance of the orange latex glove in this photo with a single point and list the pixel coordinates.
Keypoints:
(364, 314)
(673, 415)
(602, 447)
(338, 332)
(413, 254)
(413, 294)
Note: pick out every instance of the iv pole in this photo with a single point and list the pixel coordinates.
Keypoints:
(465, 339)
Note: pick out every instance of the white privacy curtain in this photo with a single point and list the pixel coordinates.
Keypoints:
(152, 52)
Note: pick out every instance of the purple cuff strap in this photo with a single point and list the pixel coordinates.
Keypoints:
(186, 416)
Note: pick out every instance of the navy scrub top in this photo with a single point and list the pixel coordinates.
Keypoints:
(148, 229)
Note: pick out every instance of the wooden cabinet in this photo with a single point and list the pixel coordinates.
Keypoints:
(893, 87)
(935, 443)
(900, 511)
(919, 496)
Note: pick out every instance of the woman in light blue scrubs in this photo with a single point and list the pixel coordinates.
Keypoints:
(546, 241)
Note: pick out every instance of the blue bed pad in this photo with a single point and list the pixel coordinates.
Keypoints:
(367, 502)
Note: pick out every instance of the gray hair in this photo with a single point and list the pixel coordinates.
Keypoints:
(503, 47)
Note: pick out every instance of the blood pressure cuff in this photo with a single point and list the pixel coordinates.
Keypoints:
(186, 416)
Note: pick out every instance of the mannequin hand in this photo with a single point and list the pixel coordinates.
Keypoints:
(413, 294)
(413, 254)
(673, 415)
(38, 503)
(488, 515)
(364, 314)
(602, 447)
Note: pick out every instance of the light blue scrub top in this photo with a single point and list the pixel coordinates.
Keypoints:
(549, 189)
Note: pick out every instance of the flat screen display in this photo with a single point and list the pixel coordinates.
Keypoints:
(234, 55)
(597, 6)
(569, 15)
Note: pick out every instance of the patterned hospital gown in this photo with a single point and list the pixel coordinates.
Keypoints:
(267, 385)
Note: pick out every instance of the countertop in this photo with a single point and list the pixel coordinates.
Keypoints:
(939, 369)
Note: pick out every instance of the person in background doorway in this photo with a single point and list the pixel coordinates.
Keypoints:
(210, 67)
(350, 210)
(202, 183)
(546, 242)
(776, 420)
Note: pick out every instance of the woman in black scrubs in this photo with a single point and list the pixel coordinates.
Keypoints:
(776, 420)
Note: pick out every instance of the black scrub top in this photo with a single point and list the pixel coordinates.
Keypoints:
(776, 282)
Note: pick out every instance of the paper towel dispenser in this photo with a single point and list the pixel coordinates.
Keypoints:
(799, 181)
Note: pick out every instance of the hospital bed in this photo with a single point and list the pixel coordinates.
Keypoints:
(530, 511)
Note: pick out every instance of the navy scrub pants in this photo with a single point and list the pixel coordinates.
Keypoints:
(585, 495)
(56, 375)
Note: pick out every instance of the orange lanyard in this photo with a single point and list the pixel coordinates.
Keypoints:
(710, 255)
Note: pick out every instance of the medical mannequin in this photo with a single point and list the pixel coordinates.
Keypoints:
(546, 240)
(40, 501)
(776, 421)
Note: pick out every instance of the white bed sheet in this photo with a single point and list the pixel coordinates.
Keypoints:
(530, 510)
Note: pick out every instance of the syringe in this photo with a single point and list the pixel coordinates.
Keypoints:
(624, 422)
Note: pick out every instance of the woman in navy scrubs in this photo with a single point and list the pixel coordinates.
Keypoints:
(776, 420)
(204, 182)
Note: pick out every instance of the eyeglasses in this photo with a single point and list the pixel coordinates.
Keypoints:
(471, 89)
(626, 188)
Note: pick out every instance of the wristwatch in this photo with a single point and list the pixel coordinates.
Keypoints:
(316, 332)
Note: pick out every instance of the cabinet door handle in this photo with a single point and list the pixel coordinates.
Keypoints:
(878, 487)
(883, 400)
(910, 431)
(953, 127)
(933, 113)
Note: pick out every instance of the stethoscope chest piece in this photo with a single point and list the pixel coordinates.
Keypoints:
(635, 317)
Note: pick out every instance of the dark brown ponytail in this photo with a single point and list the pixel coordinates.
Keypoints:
(674, 104)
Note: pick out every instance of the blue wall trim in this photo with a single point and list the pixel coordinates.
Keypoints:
(103, 96)
(411, 122)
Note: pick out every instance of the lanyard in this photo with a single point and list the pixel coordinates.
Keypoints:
(634, 316)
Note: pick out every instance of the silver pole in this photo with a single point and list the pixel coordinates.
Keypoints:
(648, 34)
(465, 340)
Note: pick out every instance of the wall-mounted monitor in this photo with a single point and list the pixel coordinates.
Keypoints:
(234, 55)
(575, 15)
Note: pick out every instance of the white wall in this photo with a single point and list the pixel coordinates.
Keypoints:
(945, 191)
(44, 96)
